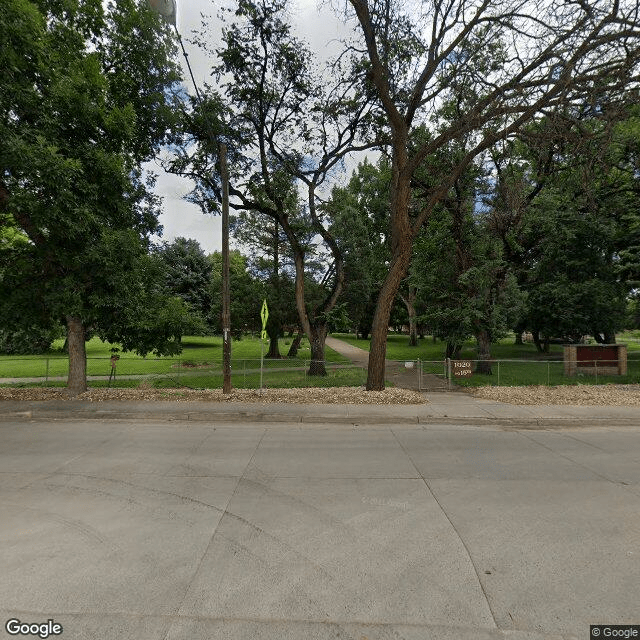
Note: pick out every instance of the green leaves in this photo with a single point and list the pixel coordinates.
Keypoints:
(84, 104)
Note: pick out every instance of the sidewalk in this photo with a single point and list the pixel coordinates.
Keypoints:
(442, 408)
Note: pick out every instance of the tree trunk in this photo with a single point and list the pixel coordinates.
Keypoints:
(273, 324)
(413, 332)
(315, 330)
(318, 335)
(273, 331)
(409, 303)
(295, 345)
(453, 350)
(402, 236)
(518, 338)
(484, 352)
(77, 380)
(380, 327)
(536, 340)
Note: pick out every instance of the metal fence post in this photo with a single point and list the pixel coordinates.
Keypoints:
(46, 373)
(261, 360)
(419, 375)
(449, 372)
(498, 367)
(548, 374)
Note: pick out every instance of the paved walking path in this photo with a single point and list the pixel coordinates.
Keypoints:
(397, 371)
(355, 354)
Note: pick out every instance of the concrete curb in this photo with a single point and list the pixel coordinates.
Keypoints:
(345, 415)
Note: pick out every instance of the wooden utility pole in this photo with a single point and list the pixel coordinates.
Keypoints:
(168, 9)
(226, 297)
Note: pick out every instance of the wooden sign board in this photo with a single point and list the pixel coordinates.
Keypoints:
(461, 368)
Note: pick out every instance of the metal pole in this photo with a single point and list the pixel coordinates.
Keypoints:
(261, 359)
(498, 363)
(548, 374)
(226, 315)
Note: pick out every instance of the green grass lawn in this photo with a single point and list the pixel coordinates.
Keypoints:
(506, 373)
(200, 364)
(250, 379)
(200, 351)
(205, 378)
(398, 348)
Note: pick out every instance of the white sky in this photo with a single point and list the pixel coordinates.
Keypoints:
(318, 26)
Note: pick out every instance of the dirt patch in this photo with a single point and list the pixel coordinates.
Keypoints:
(313, 395)
(194, 365)
(596, 395)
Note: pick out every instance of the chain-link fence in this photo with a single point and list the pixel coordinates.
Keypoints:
(425, 375)
(437, 375)
(183, 372)
(539, 372)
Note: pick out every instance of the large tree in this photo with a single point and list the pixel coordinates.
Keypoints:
(466, 287)
(26, 327)
(187, 274)
(565, 208)
(287, 121)
(360, 223)
(272, 264)
(246, 300)
(544, 55)
(83, 103)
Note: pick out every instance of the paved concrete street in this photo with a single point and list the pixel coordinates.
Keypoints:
(168, 531)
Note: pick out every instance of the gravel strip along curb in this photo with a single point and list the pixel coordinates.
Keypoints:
(311, 395)
(618, 395)
(586, 395)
